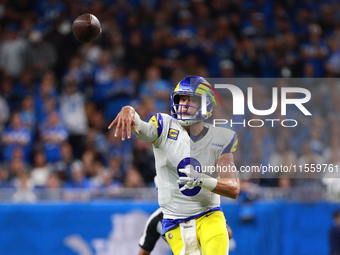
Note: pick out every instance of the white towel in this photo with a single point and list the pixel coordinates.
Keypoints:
(189, 238)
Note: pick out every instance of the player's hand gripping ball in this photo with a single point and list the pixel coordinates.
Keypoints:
(86, 28)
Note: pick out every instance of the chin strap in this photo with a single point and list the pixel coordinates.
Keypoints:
(186, 123)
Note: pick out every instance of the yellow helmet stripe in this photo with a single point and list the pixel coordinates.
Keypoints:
(177, 87)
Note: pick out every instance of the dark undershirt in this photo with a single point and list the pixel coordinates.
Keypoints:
(196, 138)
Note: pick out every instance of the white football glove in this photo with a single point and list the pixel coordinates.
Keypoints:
(194, 178)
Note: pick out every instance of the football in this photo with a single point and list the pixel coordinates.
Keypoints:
(86, 28)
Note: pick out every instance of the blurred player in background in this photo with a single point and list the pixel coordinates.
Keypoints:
(193, 220)
(334, 235)
(153, 230)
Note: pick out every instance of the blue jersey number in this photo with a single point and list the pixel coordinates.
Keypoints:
(196, 164)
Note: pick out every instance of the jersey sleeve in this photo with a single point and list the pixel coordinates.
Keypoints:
(151, 234)
(231, 146)
(157, 120)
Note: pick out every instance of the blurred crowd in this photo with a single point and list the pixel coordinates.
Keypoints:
(58, 95)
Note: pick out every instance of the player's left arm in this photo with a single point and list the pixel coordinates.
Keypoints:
(229, 184)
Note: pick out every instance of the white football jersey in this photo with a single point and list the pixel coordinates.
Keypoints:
(174, 150)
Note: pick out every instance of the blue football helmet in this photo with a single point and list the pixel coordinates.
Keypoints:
(192, 86)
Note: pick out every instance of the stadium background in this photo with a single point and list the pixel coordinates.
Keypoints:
(63, 174)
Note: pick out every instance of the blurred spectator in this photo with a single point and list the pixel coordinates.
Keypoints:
(332, 153)
(16, 135)
(25, 86)
(284, 183)
(133, 178)
(303, 22)
(315, 51)
(16, 168)
(118, 148)
(28, 114)
(96, 138)
(40, 171)
(226, 68)
(46, 96)
(53, 186)
(12, 51)
(18, 153)
(8, 93)
(224, 40)
(291, 58)
(53, 135)
(40, 55)
(109, 185)
(316, 141)
(72, 108)
(144, 161)
(78, 179)
(156, 88)
(91, 53)
(48, 106)
(268, 59)
(27, 23)
(333, 61)
(261, 143)
(24, 191)
(119, 94)
(308, 70)
(4, 175)
(118, 47)
(136, 55)
(4, 113)
(18, 9)
(246, 198)
(186, 30)
(75, 72)
(53, 182)
(88, 159)
(63, 166)
(102, 76)
(282, 155)
(327, 18)
(95, 174)
(256, 29)
(191, 65)
(309, 156)
(334, 234)
(116, 168)
(246, 59)
(48, 85)
(50, 10)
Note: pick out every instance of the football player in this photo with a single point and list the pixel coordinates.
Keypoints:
(193, 222)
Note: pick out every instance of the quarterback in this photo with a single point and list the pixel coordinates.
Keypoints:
(193, 222)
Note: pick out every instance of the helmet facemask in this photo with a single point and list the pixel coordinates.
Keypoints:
(185, 118)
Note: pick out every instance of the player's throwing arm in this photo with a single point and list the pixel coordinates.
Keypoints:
(128, 118)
